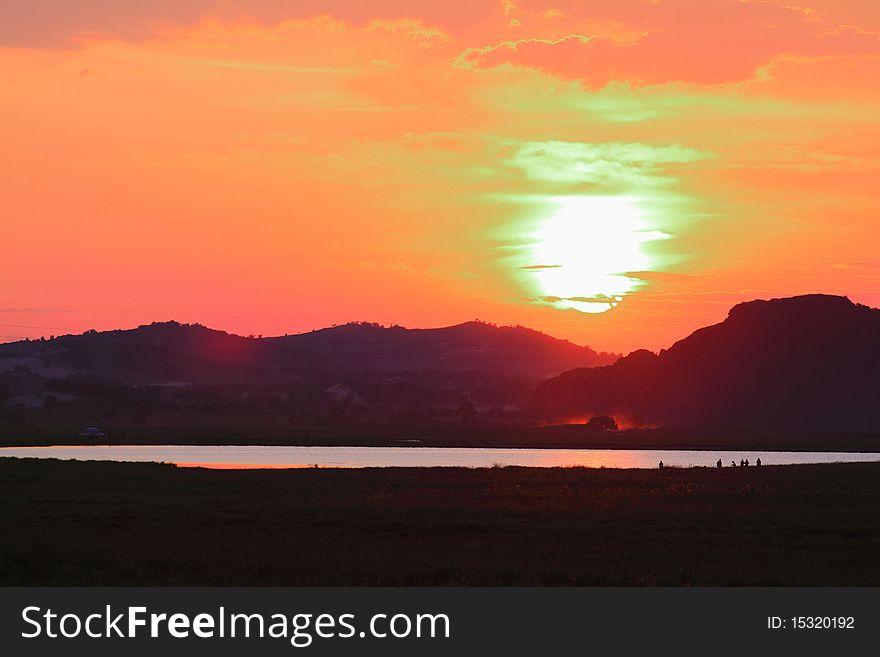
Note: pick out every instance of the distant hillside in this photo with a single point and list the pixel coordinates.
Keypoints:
(171, 352)
(468, 347)
(808, 362)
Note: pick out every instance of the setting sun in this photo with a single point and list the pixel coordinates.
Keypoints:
(585, 251)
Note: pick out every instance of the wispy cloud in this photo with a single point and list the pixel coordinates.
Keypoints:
(608, 165)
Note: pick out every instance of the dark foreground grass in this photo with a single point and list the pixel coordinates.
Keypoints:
(79, 523)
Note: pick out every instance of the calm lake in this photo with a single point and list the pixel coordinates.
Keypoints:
(247, 457)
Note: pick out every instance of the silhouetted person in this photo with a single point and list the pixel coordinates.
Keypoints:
(742, 463)
(758, 461)
(747, 461)
(718, 465)
(661, 465)
(733, 464)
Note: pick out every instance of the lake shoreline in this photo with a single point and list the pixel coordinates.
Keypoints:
(238, 457)
(552, 437)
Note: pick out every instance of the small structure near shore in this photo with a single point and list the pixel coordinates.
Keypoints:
(93, 433)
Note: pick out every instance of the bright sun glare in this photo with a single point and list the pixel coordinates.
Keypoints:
(583, 254)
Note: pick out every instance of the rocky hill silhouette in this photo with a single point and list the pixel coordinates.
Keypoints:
(808, 362)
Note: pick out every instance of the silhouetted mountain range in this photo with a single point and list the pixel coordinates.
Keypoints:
(807, 362)
(172, 352)
(340, 378)
(803, 363)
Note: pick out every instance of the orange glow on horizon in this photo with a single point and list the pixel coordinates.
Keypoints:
(624, 422)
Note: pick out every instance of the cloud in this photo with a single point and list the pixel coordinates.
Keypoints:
(482, 57)
(857, 264)
(62, 23)
(702, 42)
(31, 309)
(659, 276)
(597, 298)
(598, 303)
(59, 23)
(608, 165)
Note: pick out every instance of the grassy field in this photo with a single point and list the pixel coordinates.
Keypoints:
(80, 523)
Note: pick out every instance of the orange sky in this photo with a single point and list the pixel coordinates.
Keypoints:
(618, 173)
